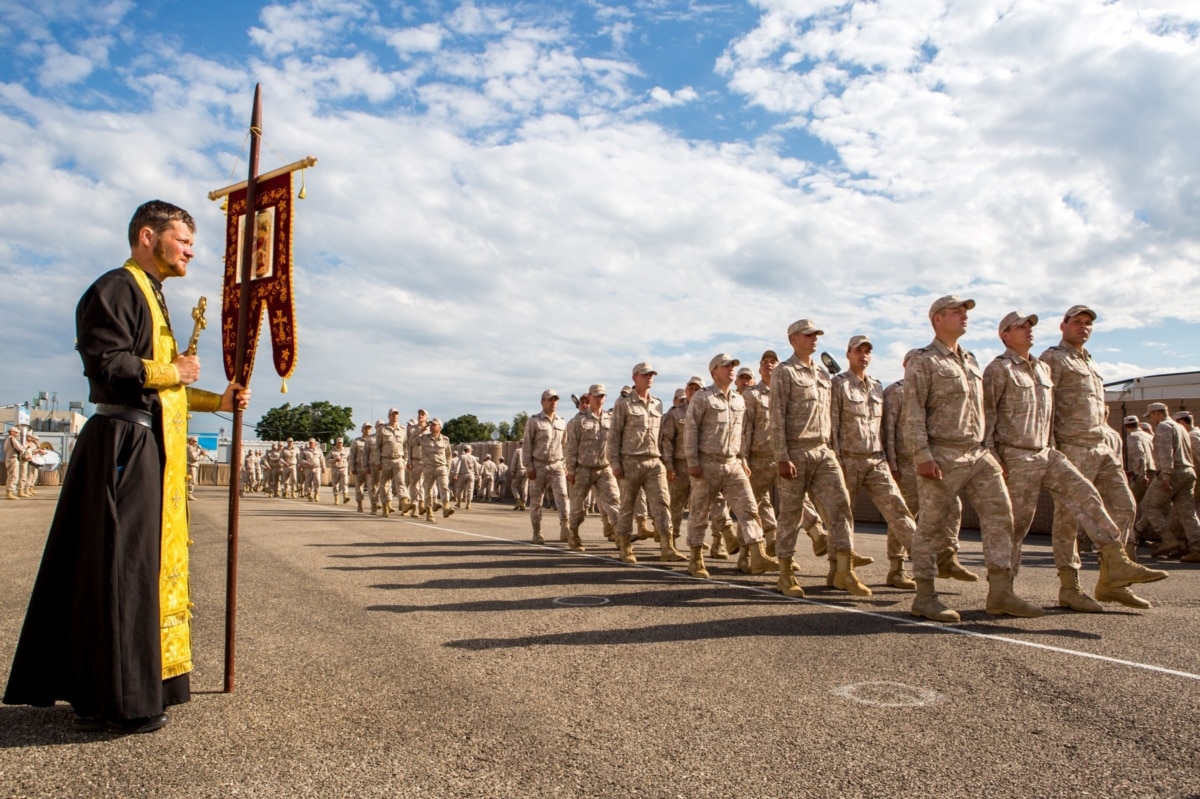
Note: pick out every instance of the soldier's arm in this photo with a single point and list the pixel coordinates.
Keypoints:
(666, 443)
(888, 431)
(571, 449)
(616, 430)
(780, 396)
(527, 446)
(916, 393)
(1164, 455)
(691, 433)
(995, 380)
(835, 415)
(748, 418)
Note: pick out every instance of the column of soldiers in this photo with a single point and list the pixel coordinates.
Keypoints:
(947, 429)
(21, 470)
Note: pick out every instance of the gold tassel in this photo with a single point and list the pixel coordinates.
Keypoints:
(283, 388)
(303, 191)
(225, 203)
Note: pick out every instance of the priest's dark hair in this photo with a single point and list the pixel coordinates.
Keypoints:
(157, 215)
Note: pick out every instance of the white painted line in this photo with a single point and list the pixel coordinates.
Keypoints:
(661, 569)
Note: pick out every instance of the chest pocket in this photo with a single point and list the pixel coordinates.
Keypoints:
(1021, 378)
(637, 419)
(948, 379)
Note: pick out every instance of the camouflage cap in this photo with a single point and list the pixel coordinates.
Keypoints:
(597, 390)
(1180, 416)
(769, 355)
(1016, 319)
(858, 341)
(436, 421)
(696, 380)
(949, 301)
(644, 368)
(625, 390)
(745, 371)
(724, 359)
(805, 326)
(549, 394)
(1156, 406)
(1130, 420)
(680, 393)
(1076, 310)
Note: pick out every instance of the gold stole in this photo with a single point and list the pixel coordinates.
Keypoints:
(173, 565)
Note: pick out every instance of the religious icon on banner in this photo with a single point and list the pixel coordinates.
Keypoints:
(270, 277)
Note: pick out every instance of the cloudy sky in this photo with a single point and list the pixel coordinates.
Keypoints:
(518, 195)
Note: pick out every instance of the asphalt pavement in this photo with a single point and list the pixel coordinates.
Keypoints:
(397, 658)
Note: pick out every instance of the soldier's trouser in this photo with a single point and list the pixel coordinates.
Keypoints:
(1138, 488)
(975, 473)
(906, 481)
(489, 487)
(193, 477)
(436, 478)
(873, 476)
(600, 480)
(650, 475)
(818, 476)
(1031, 470)
(1159, 501)
(12, 468)
(337, 480)
(680, 490)
(552, 478)
(289, 479)
(763, 476)
(274, 478)
(1101, 466)
(466, 487)
(391, 480)
(520, 488)
(416, 487)
(728, 478)
(362, 487)
(312, 484)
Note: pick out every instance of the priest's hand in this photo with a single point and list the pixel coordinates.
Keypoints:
(188, 367)
(235, 393)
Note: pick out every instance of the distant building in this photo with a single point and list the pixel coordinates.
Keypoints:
(1180, 391)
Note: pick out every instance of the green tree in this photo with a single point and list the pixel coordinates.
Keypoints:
(517, 429)
(464, 429)
(320, 420)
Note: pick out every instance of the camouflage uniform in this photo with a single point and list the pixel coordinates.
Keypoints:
(1140, 468)
(712, 439)
(856, 415)
(339, 460)
(1018, 399)
(943, 421)
(520, 479)
(435, 468)
(800, 422)
(756, 451)
(1080, 416)
(391, 440)
(13, 451)
(416, 487)
(289, 458)
(543, 446)
(586, 455)
(1174, 456)
(487, 471)
(468, 465)
(314, 467)
(194, 453)
(274, 469)
(675, 461)
(360, 467)
(633, 437)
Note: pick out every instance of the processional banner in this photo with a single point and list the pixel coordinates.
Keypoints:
(270, 277)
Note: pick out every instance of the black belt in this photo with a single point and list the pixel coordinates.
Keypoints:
(126, 414)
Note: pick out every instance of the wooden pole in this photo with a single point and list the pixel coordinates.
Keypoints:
(235, 465)
(303, 163)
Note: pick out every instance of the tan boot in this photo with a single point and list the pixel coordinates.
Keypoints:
(1168, 547)
(360, 508)
(950, 569)
(447, 511)
(387, 510)
(468, 504)
(1001, 601)
(787, 583)
(926, 605)
(1131, 551)
(607, 528)
(858, 561)
(574, 542)
(537, 537)
(695, 565)
(669, 554)
(731, 540)
(760, 561)
(643, 530)
(625, 545)
(1107, 592)
(717, 550)
(1070, 595)
(405, 505)
(1121, 572)
(897, 578)
(832, 573)
(564, 533)
(845, 578)
(769, 540)
(428, 513)
(10, 495)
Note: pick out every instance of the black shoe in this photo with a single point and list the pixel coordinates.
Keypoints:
(137, 726)
(88, 724)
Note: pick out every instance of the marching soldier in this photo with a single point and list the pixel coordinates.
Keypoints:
(488, 471)
(13, 450)
(339, 461)
(360, 467)
(314, 467)
(856, 416)
(289, 463)
(944, 425)
(468, 464)
(1172, 489)
(29, 468)
(501, 479)
(1140, 469)
(520, 479)
(391, 442)
(435, 468)
(543, 447)
(712, 441)
(800, 427)
(633, 449)
(588, 469)
(274, 468)
(1080, 419)
(1018, 404)
(416, 486)
(194, 455)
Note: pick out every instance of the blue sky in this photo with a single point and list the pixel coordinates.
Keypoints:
(512, 196)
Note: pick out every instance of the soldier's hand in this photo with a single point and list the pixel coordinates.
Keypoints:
(531, 474)
(670, 477)
(570, 478)
(930, 469)
(618, 473)
(696, 471)
(787, 470)
(188, 367)
(746, 468)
